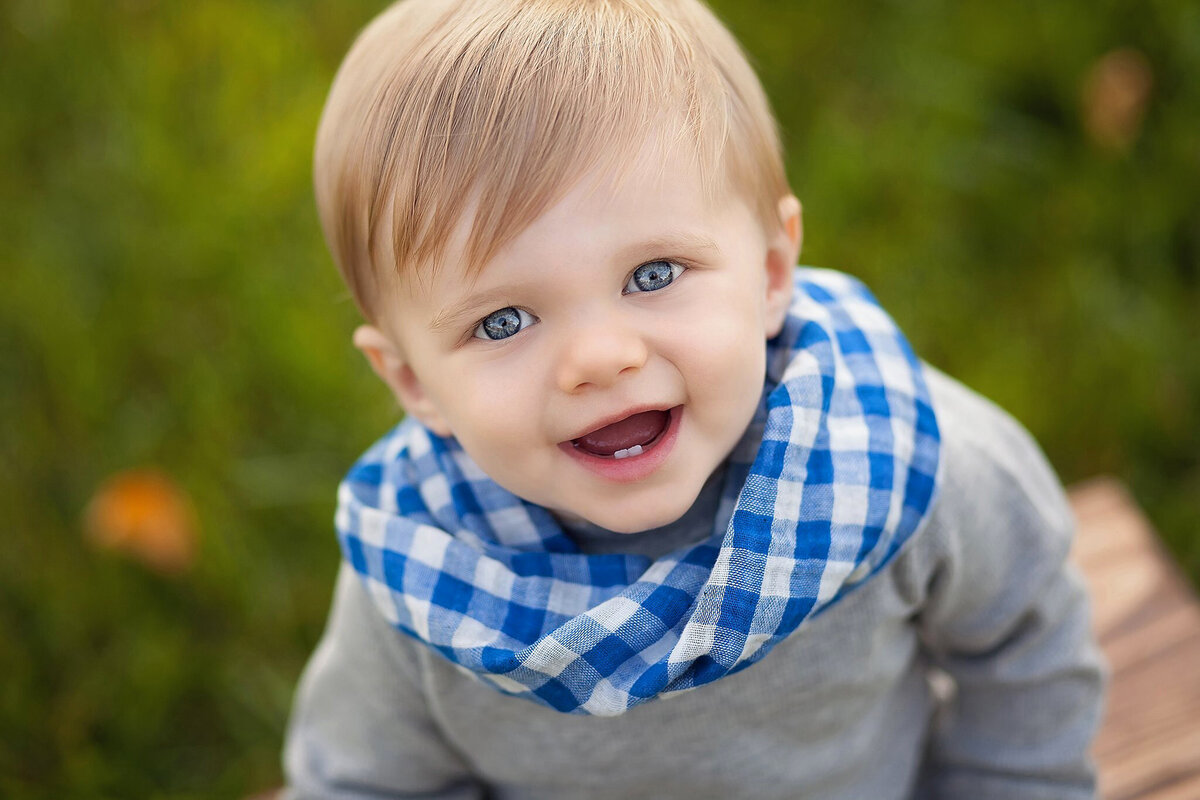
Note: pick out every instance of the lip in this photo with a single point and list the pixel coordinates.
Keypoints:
(630, 468)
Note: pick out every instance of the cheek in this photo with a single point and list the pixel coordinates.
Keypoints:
(724, 378)
(488, 405)
(721, 340)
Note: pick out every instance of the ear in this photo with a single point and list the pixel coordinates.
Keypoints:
(393, 369)
(783, 250)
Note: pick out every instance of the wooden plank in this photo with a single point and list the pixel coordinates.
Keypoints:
(1147, 620)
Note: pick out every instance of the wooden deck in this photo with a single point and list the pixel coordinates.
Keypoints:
(1148, 622)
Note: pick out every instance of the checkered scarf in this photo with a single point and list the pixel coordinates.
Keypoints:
(835, 473)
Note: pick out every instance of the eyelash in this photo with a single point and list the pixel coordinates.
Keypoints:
(525, 319)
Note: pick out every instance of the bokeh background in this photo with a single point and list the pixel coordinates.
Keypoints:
(1018, 182)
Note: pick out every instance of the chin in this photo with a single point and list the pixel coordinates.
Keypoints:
(640, 522)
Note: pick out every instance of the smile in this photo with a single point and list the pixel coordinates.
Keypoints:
(629, 448)
(629, 436)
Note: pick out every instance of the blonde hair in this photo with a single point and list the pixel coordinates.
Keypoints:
(503, 105)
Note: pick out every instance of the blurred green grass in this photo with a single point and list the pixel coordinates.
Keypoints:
(167, 301)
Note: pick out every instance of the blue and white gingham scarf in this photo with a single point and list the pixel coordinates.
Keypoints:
(835, 473)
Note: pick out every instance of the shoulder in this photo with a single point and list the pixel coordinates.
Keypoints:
(1000, 527)
(991, 465)
(360, 644)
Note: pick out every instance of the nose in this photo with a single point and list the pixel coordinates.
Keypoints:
(598, 350)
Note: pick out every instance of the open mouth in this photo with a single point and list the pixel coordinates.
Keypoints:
(627, 437)
(630, 449)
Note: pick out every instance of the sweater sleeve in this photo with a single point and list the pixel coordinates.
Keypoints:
(1007, 619)
(360, 727)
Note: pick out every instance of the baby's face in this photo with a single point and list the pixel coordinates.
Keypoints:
(610, 357)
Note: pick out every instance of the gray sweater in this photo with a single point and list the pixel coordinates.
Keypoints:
(964, 669)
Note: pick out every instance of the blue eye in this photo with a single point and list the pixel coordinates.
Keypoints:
(653, 276)
(503, 323)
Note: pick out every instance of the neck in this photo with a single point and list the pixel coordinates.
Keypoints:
(696, 524)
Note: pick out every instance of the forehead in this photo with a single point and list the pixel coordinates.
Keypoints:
(658, 190)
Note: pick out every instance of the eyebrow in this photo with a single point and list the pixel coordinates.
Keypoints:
(459, 312)
(664, 246)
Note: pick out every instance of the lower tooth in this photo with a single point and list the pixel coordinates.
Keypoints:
(636, 450)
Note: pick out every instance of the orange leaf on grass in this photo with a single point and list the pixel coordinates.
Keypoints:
(1116, 93)
(144, 514)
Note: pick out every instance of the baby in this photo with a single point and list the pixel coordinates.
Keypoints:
(667, 516)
